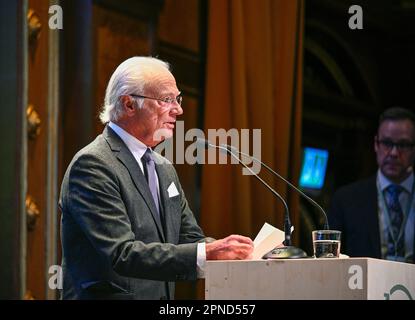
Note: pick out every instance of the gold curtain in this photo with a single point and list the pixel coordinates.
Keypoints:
(254, 81)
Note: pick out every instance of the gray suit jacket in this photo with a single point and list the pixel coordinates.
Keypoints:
(113, 244)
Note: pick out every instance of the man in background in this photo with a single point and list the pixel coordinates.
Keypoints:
(127, 230)
(377, 215)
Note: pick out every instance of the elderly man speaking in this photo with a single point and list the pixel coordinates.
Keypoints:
(127, 230)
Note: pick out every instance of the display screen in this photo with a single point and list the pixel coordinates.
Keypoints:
(314, 168)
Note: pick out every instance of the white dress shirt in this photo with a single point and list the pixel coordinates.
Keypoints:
(405, 196)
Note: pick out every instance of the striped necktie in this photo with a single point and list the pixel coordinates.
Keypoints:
(150, 173)
(396, 246)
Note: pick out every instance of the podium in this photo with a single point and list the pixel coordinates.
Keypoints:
(316, 279)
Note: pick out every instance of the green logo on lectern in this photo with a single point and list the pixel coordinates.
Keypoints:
(400, 290)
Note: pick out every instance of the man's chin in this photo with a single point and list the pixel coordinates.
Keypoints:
(162, 134)
(394, 174)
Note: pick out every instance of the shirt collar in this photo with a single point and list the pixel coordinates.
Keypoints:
(133, 144)
(407, 184)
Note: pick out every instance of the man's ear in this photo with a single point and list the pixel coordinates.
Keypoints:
(128, 104)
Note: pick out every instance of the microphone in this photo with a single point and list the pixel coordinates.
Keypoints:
(287, 251)
(326, 223)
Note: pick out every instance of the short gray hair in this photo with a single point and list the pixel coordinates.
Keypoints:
(130, 77)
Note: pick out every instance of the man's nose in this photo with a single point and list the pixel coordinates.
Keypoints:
(394, 151)
(177, 109)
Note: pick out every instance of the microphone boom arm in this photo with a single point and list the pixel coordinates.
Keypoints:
(326, 223)
(287, 226)
(287, 251)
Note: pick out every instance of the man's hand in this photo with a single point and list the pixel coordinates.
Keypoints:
(234, 247)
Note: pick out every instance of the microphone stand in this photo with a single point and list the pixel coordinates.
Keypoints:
(326, 223)
(284, 252)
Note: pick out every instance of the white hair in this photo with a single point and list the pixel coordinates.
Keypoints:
(130, 77)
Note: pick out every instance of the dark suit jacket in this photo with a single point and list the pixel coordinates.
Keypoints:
(354, 211)
(113, 244)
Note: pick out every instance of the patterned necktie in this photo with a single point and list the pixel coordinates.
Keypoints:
(150, 173)
(396, 218)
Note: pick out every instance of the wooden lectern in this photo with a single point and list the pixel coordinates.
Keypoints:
(349, 278)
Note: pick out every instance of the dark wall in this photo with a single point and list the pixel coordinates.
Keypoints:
(12, 113)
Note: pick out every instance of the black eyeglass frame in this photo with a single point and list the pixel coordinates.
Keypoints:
(400, 146)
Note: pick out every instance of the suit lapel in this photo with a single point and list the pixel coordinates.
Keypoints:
(125, 156)
(164, 181)
(413, 248)
(372, 217)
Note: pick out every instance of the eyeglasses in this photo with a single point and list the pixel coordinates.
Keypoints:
(168, 100)
(388, 145)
